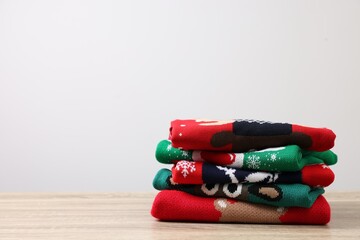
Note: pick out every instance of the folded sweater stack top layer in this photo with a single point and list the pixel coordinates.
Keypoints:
(245, 135)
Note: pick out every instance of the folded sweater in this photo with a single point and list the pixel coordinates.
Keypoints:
(172, 205)
(188, 172)
(286, 158)
(245, 135)
(280, 195)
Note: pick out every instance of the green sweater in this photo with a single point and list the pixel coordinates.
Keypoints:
(287, 158)
(281, 195)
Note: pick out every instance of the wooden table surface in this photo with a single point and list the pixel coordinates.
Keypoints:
(126, 216)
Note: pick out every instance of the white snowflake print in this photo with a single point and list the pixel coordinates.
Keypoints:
(185, 167)
(185, 154)
(272, 157)
(254, 162)
(168, 148)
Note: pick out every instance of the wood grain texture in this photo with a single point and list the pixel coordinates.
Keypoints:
(127, 216)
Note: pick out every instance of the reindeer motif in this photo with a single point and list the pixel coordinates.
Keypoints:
(246, 212)
(261, 177)
(230, 172)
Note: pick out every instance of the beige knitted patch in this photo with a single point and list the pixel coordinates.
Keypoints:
(247, 212)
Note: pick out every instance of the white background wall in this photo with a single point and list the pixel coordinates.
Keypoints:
(88, 88)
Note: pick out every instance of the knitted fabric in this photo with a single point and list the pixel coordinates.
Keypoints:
(172, 205)
(245, 135)
(286, 158)
(280, 195)
(187, 172)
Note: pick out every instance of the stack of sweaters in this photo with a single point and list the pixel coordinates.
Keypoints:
(244, 171)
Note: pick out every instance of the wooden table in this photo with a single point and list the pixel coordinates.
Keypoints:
(126, 216)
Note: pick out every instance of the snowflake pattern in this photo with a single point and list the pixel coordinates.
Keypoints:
(272, 157)
(185, 154)
(254, 162)
(168, 148)
(185, 167)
